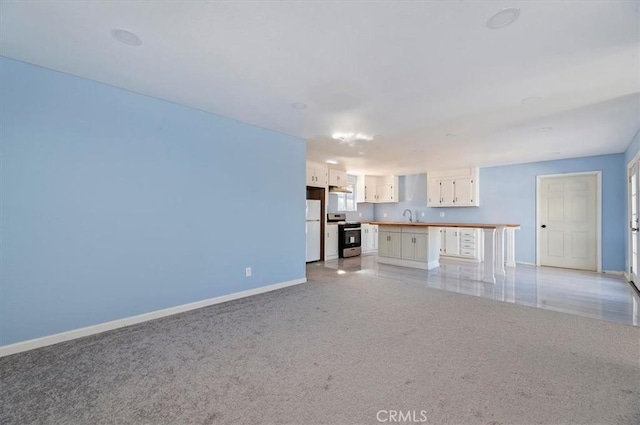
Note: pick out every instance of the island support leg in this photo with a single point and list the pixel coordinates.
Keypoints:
(511, 247)
(489, 256)
(500, 251)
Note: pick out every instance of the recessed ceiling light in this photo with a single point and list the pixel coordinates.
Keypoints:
(299, 105)
(544, 129)
(531, 99)
(503, 18)
(126, 37)
(331, 161)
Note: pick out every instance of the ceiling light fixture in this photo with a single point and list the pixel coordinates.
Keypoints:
(531, 100)
(331, 161)
(544, 129)
(350, 137)
(503, 18)
(299, 105)
(126, 37)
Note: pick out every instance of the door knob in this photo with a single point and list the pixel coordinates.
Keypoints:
(544, 226)
(635, 229)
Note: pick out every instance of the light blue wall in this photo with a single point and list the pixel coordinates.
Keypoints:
(116, 204)
(508, 195)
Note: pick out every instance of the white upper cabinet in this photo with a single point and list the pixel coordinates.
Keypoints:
(453, 188)
(316, 175)
(337, 177)
(377, 189)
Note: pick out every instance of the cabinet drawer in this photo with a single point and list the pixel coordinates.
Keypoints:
(467, 245)
(468, 232)
(469, 239)
(415, 229)
(466, 252)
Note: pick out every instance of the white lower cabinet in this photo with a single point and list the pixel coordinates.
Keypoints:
(390, 242)
(409, 246)
(369, 240)
(415, 244)
(461, 243)
(331, 242)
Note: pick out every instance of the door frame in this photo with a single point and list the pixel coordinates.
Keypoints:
(628, 262)
(598, 174)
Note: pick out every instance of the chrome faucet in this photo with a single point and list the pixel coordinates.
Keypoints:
(410, 215)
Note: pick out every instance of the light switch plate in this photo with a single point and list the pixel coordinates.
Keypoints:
(384, 214)
(441, 214)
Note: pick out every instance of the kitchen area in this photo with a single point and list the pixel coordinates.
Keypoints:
(356, 215)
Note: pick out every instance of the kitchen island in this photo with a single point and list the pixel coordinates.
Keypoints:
(415, 244)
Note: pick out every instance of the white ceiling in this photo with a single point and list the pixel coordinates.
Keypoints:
(407, 72)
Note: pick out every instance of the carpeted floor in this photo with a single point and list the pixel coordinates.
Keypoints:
(340, 350)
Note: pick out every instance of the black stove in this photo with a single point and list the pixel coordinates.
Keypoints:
(348, 235)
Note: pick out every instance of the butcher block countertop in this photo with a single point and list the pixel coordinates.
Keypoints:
(467, 225)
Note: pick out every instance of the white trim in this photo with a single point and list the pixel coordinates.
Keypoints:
(525, 263)
(626, 276)
(31, 344)
(598, 175)
(615, 272)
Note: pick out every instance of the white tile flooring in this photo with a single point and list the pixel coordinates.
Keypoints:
(595, 295)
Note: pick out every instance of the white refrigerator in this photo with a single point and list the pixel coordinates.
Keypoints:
(313, 230)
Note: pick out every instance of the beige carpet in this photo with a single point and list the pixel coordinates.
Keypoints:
(345, 350)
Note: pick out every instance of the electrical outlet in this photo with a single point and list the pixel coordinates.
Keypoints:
(422, 214)
(247, 272)
(441, 214)
(384, 214)
(359, 214)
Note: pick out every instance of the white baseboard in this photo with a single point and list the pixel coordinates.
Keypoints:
(31, 344)
(626, 276)
(525, 263)
(615, 272)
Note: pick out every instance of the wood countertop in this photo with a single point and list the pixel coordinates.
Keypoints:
(465, 225)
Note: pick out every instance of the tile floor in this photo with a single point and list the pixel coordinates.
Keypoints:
(595, 295)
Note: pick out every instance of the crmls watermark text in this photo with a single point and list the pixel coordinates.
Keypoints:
(399, 416)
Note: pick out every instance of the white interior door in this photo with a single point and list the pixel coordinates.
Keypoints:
(567, 220)
(634, 234)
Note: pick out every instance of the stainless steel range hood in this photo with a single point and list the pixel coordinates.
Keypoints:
(338, 189)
